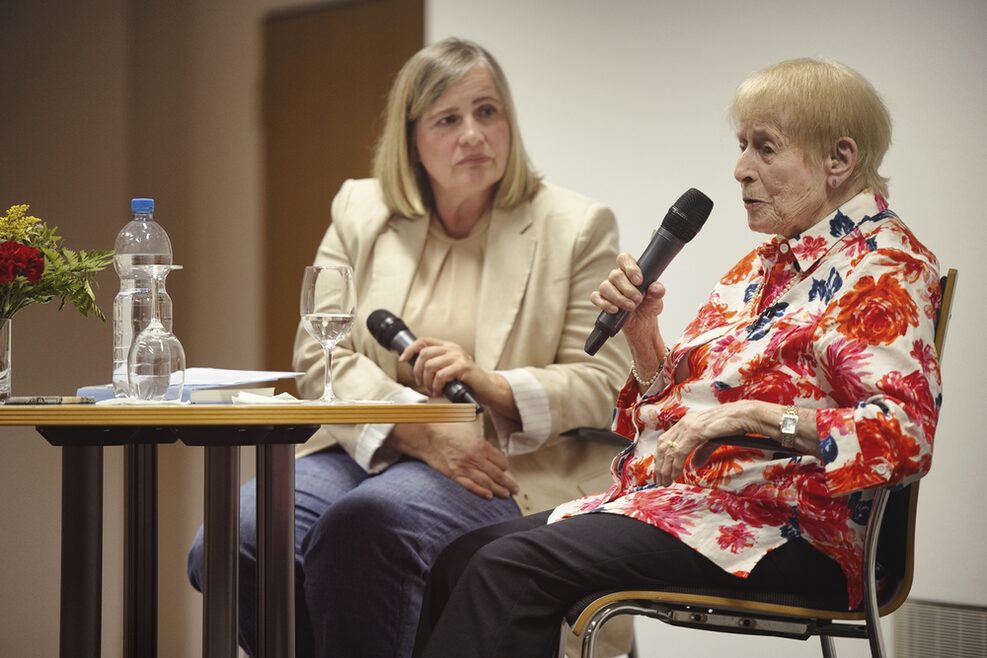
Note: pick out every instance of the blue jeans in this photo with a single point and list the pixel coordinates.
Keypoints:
(363, 548)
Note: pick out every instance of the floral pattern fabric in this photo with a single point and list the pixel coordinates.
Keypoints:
(845, 325)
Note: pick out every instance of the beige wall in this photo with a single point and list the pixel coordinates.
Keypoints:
(101, 101)
(63, 143)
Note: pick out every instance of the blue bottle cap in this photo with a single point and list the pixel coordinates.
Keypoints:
(142, 206)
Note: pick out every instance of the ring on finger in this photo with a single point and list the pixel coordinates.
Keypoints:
(672, 444)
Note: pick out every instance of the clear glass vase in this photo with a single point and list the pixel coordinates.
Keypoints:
(5, 324)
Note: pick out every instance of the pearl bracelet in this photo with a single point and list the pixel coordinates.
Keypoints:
(645, 384)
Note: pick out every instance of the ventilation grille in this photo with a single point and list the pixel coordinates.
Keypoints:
(926, 629)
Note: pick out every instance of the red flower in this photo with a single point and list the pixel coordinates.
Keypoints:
(845, 365)
(712, 314)
(735, 537)
(810, 247)
(756, 505)
(913, 390)
(17, 259)
(667, 509)
(877, 312)
(763, 379)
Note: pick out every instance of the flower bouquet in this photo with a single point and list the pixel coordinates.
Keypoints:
(34, 269)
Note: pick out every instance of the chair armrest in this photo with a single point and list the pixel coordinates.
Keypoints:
(754, 441)
(742, 440)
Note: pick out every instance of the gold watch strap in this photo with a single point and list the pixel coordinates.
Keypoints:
(789, 426)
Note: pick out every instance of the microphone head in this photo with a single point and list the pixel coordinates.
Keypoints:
(384, 326)
(687, 216)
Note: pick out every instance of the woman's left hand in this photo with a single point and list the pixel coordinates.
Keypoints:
(695, 430)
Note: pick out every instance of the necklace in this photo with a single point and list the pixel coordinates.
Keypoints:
(755, 300)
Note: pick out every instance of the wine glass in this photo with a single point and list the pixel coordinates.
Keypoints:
(328, 307)
(156, 362)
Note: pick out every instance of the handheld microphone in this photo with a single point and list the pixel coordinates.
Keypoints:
(391, 332)
(681, 223)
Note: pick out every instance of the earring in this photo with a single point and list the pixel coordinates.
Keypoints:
(834, 182)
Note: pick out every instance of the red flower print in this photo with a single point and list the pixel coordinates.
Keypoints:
(666, 509)
(913, 390)
(844, 365)
(724, 351)
(914, 244)
(810, 247)
(791, 342)
(911, 267)
(935, 301)
(712, 314)
(926, 356)
(741, 271)
(829, 421)
(876, 312)
(881, 439)
(639, 472)
(762, 380)
(725, 461)
(735, 538)
(821, 517)
(663, 417)
(756, 505)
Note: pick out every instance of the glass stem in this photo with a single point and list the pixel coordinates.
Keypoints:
(155, 314)
(327, 394)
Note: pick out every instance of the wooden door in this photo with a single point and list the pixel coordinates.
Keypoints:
(326, 76)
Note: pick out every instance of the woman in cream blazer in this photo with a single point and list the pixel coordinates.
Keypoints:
(492, 269)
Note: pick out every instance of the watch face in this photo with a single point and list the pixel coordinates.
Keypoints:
(789, 423)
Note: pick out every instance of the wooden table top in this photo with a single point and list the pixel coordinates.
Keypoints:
(233, 414)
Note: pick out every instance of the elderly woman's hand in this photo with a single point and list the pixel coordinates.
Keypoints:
(619, 293)
(696, 429)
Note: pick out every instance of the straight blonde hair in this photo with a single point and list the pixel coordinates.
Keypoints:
(418, 85)
(815, 103)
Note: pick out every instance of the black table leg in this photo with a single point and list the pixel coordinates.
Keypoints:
(82, 551)
(221, 547)
(276, 550)
(140, 570)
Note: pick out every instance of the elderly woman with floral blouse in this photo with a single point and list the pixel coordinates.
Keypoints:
(821, 338)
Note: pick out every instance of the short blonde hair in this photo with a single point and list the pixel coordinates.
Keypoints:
(419, 84)
(815, 103)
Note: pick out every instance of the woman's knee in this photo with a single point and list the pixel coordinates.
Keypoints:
(365, 519)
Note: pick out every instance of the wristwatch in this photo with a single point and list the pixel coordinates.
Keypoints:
(788, 426)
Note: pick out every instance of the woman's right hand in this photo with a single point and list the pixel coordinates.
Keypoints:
(619, 293)
(459, 454)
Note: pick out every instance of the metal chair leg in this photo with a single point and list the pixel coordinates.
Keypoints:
(828, 646)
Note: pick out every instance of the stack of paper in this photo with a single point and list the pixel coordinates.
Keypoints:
(211, 385)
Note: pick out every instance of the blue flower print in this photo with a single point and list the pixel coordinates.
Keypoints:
(828, 448)
(824, 290)
(750, 290)
(840, 225)
(759, 328)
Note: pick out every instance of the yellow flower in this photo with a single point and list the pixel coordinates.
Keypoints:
(17, 224)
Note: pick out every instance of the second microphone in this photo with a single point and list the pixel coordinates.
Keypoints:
(391, 332)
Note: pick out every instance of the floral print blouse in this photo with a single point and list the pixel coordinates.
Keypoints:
(844, 325)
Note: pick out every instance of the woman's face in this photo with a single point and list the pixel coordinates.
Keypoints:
(783, 193)
(463, 139)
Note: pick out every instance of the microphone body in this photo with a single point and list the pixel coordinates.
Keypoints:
(391, 332)
(681, 223)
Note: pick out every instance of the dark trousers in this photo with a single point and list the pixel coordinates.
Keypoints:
(502, 591)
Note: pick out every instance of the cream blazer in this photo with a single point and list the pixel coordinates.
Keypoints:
(542, 260)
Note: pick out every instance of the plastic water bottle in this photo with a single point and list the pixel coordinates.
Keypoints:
(141, 241)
